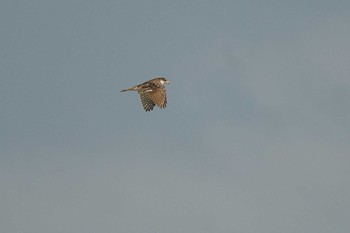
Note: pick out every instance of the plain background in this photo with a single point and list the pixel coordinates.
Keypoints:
(255, 137)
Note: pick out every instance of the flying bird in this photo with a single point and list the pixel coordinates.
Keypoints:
(152, 93)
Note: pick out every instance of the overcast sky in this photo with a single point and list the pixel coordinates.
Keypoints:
(255, 137)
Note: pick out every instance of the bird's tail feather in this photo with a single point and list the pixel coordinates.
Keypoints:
(135, 88)
(128, 89)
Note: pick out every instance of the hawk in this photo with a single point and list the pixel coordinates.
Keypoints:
(151, 93)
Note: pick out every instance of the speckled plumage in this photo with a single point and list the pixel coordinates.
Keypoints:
(152, 93)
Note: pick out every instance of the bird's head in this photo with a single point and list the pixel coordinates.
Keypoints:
(164, 80)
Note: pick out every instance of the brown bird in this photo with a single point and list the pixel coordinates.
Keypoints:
(152, 93)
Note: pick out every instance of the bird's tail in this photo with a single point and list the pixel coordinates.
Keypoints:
(128, 89)
(135, 88)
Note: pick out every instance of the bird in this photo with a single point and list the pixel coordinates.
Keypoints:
(152, 93)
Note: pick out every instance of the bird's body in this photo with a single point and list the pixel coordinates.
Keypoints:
(152, 93)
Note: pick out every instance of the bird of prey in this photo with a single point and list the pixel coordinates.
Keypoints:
(151, 93)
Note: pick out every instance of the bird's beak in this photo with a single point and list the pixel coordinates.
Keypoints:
(167, 81)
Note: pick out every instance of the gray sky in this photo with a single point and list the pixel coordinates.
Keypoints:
(255, 137)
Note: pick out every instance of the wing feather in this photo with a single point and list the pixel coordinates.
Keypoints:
(146, 100)
(158, 97)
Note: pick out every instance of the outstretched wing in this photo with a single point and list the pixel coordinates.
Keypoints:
(146, 100)
(158, 97)
(153, 96)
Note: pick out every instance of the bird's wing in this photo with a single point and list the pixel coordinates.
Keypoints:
(146, 100)
(158, 97)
